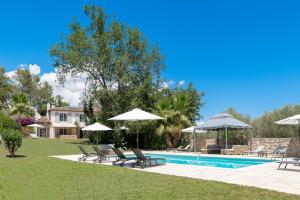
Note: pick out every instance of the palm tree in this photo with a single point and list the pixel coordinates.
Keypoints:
(20, 107)
(174, 110)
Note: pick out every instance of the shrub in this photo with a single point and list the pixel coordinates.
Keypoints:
(7, 123)
(12, 140)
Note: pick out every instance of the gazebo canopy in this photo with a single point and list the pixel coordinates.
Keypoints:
(222, 121)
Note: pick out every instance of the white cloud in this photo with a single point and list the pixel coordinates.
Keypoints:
(167, 84)
(10, 74)
(72, 89)
(34, 69)
(181, 83)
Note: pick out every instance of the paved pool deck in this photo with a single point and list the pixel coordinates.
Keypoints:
(264, 176)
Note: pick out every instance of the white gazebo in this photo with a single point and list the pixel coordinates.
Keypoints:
(136, 115)
(223, 121)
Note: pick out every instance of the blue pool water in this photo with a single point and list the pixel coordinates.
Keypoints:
(222, 162)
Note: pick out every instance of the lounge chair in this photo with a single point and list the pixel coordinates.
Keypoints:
(121, 158)
(100, 154)
(258, 150)
(279, 150)
(186, 148)
(143, 161)
(286, 163)
(103, 154)
(86, 155)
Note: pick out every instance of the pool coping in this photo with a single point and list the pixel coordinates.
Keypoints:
(265, 176)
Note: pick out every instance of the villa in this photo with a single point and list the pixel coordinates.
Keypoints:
(61, 122)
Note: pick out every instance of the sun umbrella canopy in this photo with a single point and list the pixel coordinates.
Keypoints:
(294, 120)
(124, 128)
(36, 126)
(192, 129)
(135, 115)
(223, 120)
(96, 127)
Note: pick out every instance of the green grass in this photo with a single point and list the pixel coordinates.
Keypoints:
(38, 176)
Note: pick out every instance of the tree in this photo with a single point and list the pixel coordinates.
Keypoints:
(5, 90)
(26, 83)
(20, 107)
(117, 61)
(7, 122)
(38, 93)
(41, 97)
(264, 125)
(244, 118)
(176, 107)
(58, 101)
(12, 140)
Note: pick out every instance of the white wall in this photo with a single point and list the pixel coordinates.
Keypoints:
(72, 117)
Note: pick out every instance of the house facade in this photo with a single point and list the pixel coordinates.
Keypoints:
(61, 122)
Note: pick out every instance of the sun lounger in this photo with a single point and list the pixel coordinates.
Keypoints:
(101, 156)
(143, 161)
(258, 150)
(105, 154)
(121, 158)
(86, 155)
(279, 151)
(187, 148)
(286, 163)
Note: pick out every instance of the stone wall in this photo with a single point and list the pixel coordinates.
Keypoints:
(271, 143)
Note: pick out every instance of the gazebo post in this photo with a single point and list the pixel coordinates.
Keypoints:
(226, 138)
(194, 143)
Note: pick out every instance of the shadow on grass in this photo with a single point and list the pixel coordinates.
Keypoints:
(16, 156)
(81, 142)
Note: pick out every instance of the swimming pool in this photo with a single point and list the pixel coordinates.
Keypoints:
(222, 162)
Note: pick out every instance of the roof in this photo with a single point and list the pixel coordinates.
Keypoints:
(42, 120)
(67, 109)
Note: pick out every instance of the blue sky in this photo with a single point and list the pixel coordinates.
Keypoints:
(242, 54)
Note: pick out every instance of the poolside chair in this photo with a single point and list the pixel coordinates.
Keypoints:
(104, 154)
(101, 156)
(186, 148)
(258, 150)
(279, 151)
(144, 161)
(121, 158)
(86, 155)
(286, 163)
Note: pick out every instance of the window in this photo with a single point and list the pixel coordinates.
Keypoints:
(63, 117)
(82, 118)
(63, 131)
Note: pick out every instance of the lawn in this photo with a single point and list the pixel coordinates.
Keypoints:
(38, 176)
